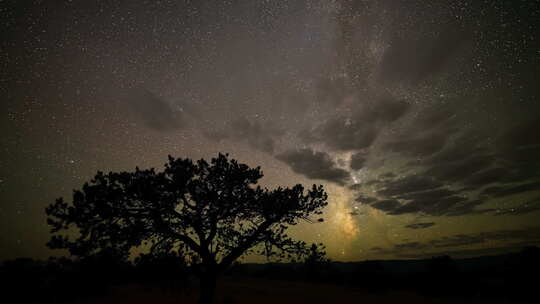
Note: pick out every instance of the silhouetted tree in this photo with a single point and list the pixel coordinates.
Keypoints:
(212, 210)
(316, 263)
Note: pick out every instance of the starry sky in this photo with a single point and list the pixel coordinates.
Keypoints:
(421, 118)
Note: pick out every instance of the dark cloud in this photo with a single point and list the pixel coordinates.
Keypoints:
(527, 234)
(466, 158)
(437, 207)
(525, 208)
(458, 240)
(386, 205)
(435, 117)
(358, 160)
(377, 249)
(521, 135)
(465, 145)
(412, 183)
(371, 182)
(507, 190)
(467, 208)
(530, 234)
(358, 130)
(413, 58)
(429, 195)
(414, 207)
(256, 135)
(409, 246)
(420, 225)
(154, 111)
(423, 253)
(488, 176)
(517, 238)
(518, 148)
(314, 164)
(385, 109)
(387, 175)
(365, 199)
(421, 194)
(459, 170)
(524, 157)
(332, 90)
(342, 133)
(444, 205)
(419, 144)
(430, 135)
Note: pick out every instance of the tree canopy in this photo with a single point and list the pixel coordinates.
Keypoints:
(214, 210)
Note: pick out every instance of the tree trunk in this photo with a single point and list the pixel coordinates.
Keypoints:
(208, 288)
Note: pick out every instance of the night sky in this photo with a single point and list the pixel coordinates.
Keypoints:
(421, 118)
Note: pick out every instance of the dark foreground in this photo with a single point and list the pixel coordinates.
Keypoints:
(510, 278)
(262, 291)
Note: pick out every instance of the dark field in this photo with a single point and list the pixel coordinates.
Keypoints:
(263, 291)
(511, 278)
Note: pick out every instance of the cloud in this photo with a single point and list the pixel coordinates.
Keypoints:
(460, 170)
(525, 208)
(342, 133)
(315, 165)
(467, 159)
(488, 176)
(526, 234)
(523, 158)
(417, 194)
(502, 191)
(420, 144)
(385, 109)
(518, 148)
(386, 205)
(521, 135)
(463, 253)
(358, 129)
(408, 184)
(428, 133)
(155, 113)
(387, 175)
(435, 207)
(432, 194)
(331, 90)
(453, 147)
(414, 58)
(257, 136)
(420, 194)
(357, 161)
(365, 199)
(253, 132)
(420, 225)
(467, 208)
(513, 238)
(409, 246)
(458, 240)
(445, 206)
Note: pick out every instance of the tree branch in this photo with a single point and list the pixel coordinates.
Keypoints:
(238, 251)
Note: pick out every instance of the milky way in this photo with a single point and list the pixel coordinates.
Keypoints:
(419, 117)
